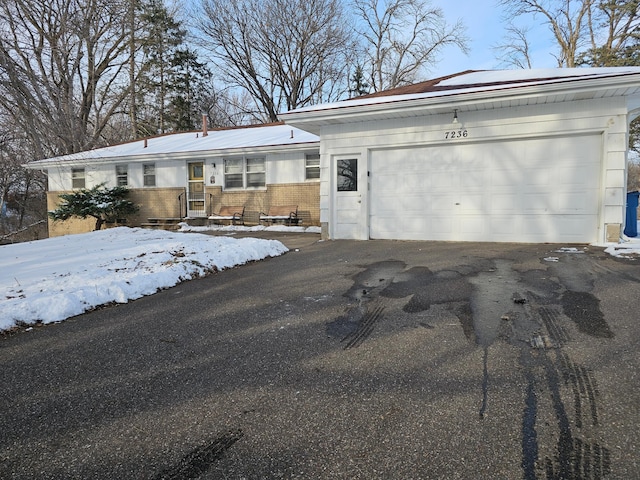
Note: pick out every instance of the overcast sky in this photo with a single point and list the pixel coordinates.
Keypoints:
(486, 28)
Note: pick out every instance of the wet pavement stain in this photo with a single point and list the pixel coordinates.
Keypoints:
(584, 309)
(427, 288)
(495, 302)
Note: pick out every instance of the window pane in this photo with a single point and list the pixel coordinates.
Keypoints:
(256, 180)
(77, 178)
(233, 180)
(347, 175)
(149, 174)
(232, 165)
(197, 172)
(312, 166)
(255, 165)
(121, 175)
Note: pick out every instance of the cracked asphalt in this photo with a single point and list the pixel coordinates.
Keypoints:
(342, 360)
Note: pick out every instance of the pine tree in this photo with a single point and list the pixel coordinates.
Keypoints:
(100, 202)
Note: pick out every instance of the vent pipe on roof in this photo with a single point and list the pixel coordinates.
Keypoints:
(145, 143)
(291, 134)
(204, 125)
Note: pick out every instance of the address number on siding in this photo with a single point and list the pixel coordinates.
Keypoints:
(452, 134)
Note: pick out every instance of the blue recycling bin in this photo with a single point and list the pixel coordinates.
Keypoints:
(631, 224)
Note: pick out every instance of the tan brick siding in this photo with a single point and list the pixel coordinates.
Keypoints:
(305, 195)
(164, 203)
(155, 203)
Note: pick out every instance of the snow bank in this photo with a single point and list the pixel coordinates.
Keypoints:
(53, 279)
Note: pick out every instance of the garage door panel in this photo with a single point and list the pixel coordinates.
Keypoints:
(536, 176)
(502, 225)
(532, 203)
(577, 202)
(504, 202)
(535, 190)
(505, 177)
(474, 204)
(441, 204)
(472, 226)
(442, 180)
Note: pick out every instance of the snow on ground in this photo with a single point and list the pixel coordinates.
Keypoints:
(56, 278)
(241, 228)
(629, 247)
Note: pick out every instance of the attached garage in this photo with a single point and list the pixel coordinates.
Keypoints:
(507, 156)
(494, 191)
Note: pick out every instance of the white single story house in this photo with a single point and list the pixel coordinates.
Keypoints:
(499, 156)
(192, 175)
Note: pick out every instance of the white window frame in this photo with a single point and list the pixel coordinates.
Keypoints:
(251, 169)
(148, 179)
(122, 176)
(78, 178)
(312, 164)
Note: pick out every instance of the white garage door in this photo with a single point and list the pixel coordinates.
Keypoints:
(537, 190)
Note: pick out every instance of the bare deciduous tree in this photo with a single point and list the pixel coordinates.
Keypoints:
(515, 51)
(567, 19)
(285, 53)
(21, 190)
(590, 32)
(403, 38)
(62, 70)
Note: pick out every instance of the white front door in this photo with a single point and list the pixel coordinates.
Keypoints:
(350, 189)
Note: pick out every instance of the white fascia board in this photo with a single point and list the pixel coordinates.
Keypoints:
(159, 157)
(442, 101)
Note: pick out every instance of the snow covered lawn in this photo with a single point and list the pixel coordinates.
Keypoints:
(54, 279)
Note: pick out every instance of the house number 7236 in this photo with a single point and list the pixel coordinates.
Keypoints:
(455, 134)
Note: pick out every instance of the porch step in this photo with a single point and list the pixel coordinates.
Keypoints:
(162, 223)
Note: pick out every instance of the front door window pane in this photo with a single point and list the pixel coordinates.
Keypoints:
(347, 175)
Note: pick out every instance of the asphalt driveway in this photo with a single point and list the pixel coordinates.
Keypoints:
(342, 360)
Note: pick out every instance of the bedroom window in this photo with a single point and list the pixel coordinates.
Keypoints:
(312, 166)
(122, 175)
(77, 178)
(149, 174)
(245, 172)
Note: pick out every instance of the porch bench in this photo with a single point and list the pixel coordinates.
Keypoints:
(231, 213)
(287, 214)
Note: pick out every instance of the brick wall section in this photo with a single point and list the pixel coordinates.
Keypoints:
(73, 225)
(152, 202)
(155, 203)
(305, 195)
(164, 203)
